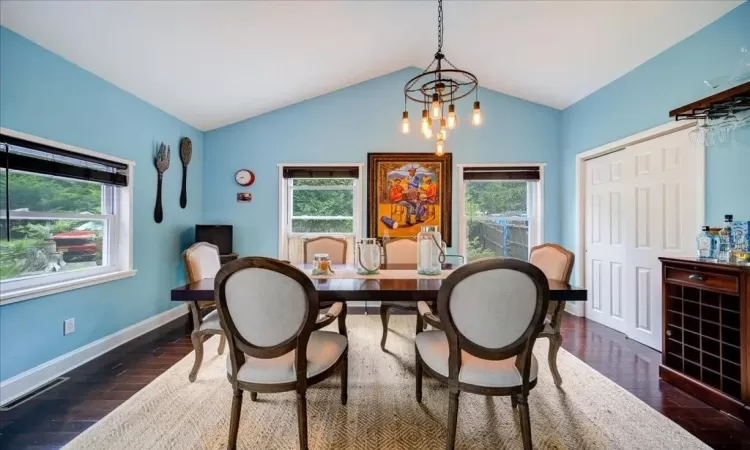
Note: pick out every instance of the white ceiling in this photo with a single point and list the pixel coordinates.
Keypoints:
(214, 63)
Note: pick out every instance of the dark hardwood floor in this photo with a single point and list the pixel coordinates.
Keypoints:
(53, 418)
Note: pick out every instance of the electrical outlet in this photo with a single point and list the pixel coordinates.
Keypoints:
(69, 326)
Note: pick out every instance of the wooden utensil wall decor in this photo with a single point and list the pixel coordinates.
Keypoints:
(186, 152)
(162, 164)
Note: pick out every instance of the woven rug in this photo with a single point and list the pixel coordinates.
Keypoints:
(588, 412)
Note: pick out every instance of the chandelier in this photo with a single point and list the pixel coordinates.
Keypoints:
(440, 83)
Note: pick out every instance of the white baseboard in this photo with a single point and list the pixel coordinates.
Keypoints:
(576, 308)
(29, 380)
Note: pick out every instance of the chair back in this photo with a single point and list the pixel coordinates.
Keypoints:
(335, 247)
(201, 261)
(493, 309)
(400, 251)
(556, 262)
(267, 308)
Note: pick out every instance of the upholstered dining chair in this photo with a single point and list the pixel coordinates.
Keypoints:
(202, 261)
(557, 264)
(334, 247)
(491, 312)
(268, 310)
(396, 251)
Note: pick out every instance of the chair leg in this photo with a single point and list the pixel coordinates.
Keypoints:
(302, 419)
(234, 421)
(513, 401)
(554, 345)
(420, 324)
(345, 377)
(452, 420)
(197, 339)
(418, 370)
(523, 407)
(385, 315)
(254, 396)
(222, 344)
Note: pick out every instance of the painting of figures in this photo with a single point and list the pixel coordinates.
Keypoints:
(407, 191)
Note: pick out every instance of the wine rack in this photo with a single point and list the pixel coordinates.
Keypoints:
(704, 342)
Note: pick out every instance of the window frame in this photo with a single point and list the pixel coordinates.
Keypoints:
(286, 204)
(534, 206)
(119, 242)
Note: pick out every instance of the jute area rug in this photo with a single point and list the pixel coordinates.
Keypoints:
(588, 412)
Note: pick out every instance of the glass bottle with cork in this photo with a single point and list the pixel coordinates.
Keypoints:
(725, 240)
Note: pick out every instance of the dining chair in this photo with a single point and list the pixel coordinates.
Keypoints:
(268, 310)
(396, 251)
(491, 312)
(334, 247)
(202, 261)
(557, 264)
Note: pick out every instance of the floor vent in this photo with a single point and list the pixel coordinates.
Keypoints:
(24, 398)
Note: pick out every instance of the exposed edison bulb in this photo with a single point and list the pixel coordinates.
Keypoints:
(443, 133)
(452, 120)
(437, 108)
(405, 123)
(423, 122)
(427, 129)
(440, 147)
(476, 117)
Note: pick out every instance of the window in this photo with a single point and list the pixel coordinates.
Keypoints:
(65, 216)
(501, 210)
(318, 200)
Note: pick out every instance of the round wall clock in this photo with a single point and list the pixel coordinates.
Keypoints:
(244, 177)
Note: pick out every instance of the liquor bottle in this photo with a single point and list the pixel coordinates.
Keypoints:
(705, 243)
(725, 239)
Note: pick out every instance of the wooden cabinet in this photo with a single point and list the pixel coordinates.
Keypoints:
(706, 342)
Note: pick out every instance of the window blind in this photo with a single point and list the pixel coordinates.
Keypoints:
(27, 156)
(322, 172)
(521, 173)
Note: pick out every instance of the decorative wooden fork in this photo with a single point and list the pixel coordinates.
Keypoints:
(162, 164)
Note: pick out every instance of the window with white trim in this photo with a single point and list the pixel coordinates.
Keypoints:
(65, 215)
(501, 208)
(318, 201)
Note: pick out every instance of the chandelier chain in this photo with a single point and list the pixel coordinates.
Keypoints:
(440, 26)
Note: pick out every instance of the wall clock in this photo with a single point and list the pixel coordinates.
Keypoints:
(244, 177)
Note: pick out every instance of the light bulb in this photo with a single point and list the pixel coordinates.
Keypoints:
(476, 117)
(443, 133)
(437, 109)
(439, 147)
(427, 131)
(452, 120)
(405, 123)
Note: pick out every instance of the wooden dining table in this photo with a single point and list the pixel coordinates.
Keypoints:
(403, 288)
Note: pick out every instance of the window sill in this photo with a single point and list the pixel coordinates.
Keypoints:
(56, 288)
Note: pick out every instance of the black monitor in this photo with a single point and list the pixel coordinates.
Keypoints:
(219, 235)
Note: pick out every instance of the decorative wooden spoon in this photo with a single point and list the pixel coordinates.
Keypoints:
(186, 152)
(162, 164)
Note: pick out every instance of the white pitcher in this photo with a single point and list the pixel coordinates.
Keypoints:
(368, 256)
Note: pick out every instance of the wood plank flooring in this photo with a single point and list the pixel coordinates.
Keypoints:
(55, 417)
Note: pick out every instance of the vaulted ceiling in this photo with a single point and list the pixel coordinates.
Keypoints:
(214, 63)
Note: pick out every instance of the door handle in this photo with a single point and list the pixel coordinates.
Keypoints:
(696, 277)
(669, 332)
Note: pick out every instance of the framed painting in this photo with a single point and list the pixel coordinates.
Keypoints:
(406, 191)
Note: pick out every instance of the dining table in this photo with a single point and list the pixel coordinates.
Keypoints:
(395, 282)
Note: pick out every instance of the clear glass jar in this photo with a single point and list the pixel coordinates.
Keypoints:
(368, 256)
(705, 244)
(429, 251)
(322, 264)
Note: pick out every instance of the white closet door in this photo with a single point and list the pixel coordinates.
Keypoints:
(649, 208)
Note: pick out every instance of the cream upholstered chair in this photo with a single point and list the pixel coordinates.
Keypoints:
(557, 264)
(491, 312)
(202, 261)
(334, 247)
(396, 251)
(268, 310)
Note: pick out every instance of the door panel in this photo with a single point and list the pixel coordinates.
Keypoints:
(641, 205)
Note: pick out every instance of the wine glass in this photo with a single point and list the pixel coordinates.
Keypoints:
(697, 135)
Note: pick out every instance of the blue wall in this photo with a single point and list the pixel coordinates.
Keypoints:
(44, 95)
(344, 126)
(642, 99)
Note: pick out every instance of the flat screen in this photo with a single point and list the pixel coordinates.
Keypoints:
(219, 235)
